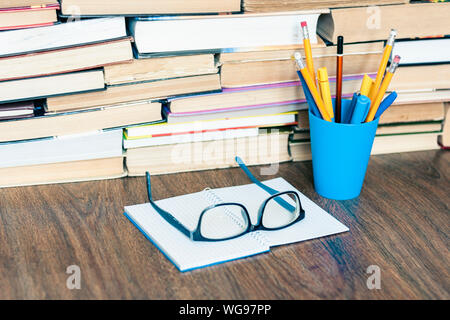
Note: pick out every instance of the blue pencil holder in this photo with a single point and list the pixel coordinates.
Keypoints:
(340, 155)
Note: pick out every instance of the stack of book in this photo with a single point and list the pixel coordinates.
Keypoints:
(255, 102)
(416, 120)
(115, 88)
(57, 145)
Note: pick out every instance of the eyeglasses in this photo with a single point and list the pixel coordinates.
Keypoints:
(224, 221)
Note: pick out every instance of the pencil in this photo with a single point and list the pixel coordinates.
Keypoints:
(384, 85)
(312, 88)
(382, 68)
(339, 66)
(308, 52)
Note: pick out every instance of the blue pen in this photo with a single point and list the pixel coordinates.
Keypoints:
(387, 102)
(347, 113)
(361, 109)
(309, 98)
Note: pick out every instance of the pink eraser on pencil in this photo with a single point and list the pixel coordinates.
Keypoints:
(396, 59)
(303, 24)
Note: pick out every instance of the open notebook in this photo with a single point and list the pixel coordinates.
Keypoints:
(188, 255)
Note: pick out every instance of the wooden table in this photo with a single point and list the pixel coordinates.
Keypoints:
(400, 223)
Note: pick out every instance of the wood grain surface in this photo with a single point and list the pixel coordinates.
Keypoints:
(399, 223)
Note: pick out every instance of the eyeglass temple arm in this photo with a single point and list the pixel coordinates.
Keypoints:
(166, 215)
(279, 200)
(252, 177)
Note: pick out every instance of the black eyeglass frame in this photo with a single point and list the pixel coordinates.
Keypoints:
(196, 234)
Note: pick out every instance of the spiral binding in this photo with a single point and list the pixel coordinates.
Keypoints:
(214, 199)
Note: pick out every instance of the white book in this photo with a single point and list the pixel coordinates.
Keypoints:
(222, 33)
(89, 146)
(73, 33)
(199, 126)
(41, 87)
(191, 137)
(422, 51)
(187, 254)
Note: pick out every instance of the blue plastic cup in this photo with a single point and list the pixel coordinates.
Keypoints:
(340, 155)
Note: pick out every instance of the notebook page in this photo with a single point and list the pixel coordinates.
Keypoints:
(179, 249)
(317, 222)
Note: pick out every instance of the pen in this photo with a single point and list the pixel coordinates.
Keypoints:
(361, 107)
(387, 102)
(384, 60)
(312, 88)
(384, 85)
(324, 86)
(339, 66)
(346, 113)
(366, 85)
(308, 52)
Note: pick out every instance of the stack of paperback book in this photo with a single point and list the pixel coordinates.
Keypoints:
(114, 88)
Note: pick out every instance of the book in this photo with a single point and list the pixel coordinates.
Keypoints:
(16, 110)
(444, 138)
(231, 99)
(294, 5)
(41, 87)
(187, 255)
(160, 68)
(165, 129)
(405, 143)
(136, 91)
(66, 60)
(86, 146)
(25, 3)
(375, 23)
(320, 50)
(28, 17)
(266, 148)
(421, 77)
(277, 71)
(153, 7)
(62, 172)
(227, 114)
(408, 113)
(423, 96)
(396, 114)
(62, 35)
(221, 33)
(60, 124)
(420, 51)
(303, 135)
(383, 144)
(406, 128)
(211, 135)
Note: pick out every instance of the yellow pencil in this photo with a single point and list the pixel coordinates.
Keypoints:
(308, 51)
(324, 86)
(366, 85)
(312, 88)
(386, 54)
(384, 85)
